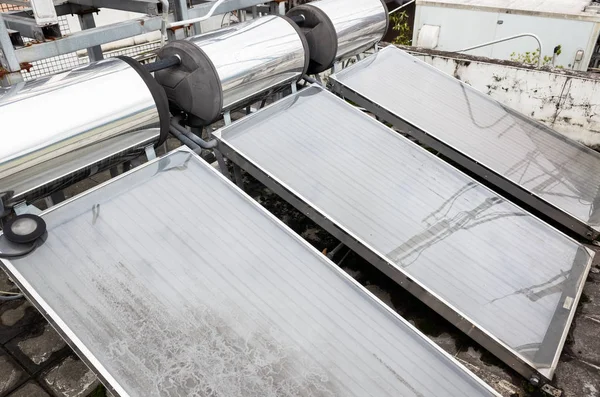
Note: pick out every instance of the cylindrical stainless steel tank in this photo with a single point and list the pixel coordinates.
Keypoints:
(59, 129)
(338, 29)
(226, 68)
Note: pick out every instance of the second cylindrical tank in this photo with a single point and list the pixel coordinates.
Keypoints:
(226, 68)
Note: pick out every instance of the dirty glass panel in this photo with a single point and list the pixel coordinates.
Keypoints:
(511, 275)
(546, 164)
(171, 282)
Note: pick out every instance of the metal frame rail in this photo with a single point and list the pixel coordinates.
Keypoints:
(13, 60)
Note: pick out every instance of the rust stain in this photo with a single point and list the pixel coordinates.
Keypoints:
(26, 66)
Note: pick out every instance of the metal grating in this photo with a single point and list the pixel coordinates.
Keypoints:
(53, 65)
(520, 156)
(501, 275)
(169, 281)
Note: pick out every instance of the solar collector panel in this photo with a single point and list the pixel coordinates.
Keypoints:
(528, 160)
(168, 281)
(480, 261)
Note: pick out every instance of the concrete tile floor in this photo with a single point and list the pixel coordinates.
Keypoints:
(35, 361)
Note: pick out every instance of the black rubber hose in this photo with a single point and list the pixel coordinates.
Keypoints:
(20, 254)
(7, 298)
(163, 64)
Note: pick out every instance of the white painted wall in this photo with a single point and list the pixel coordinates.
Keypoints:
(459, 28)
(462, 28)
(567, 102)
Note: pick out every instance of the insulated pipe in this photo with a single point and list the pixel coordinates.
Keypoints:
(197, 140)
(185, 140)
(63, 128)
(161, 64)
(165, 22)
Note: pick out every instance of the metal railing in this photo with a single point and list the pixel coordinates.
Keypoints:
(401, 7)
(510, 38)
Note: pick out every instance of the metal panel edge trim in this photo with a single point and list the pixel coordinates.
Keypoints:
(564, 218)
(415, 287)
(569, 322)
(92, 362)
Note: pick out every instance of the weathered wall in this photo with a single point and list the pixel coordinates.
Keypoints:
(463, 28)
(567, 101)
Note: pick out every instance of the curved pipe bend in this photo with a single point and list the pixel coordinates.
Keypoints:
(190, 136)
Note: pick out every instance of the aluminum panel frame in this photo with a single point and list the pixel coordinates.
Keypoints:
(474, 160)
(272, 178)
(126, 288)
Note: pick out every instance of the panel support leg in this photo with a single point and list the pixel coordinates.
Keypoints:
(150, 152)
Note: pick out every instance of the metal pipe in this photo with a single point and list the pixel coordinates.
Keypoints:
(185, 140)
(5, 298)
(511, 38)
(189, 135)
(311, 80)
(298, 19)
(163, 63)
(165, 22)
(199, 19)
(401, 7)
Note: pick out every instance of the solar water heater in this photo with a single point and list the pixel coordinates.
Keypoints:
(170, 281)
(504, 277)
(518, 155)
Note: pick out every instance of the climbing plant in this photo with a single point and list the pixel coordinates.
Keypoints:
(532, 58)
(399, 21)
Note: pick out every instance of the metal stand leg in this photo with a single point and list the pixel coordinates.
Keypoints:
(58, 197)
(87, 22)
(222, 164)
(227, 118)
(23, 208)
(239, 180)
(8, 58)
(49, 202)
(150, 153)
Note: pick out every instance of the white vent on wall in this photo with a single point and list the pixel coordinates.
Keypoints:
(428, 36)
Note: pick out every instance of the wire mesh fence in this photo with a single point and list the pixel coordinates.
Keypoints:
(56, 64)
(142, 52)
